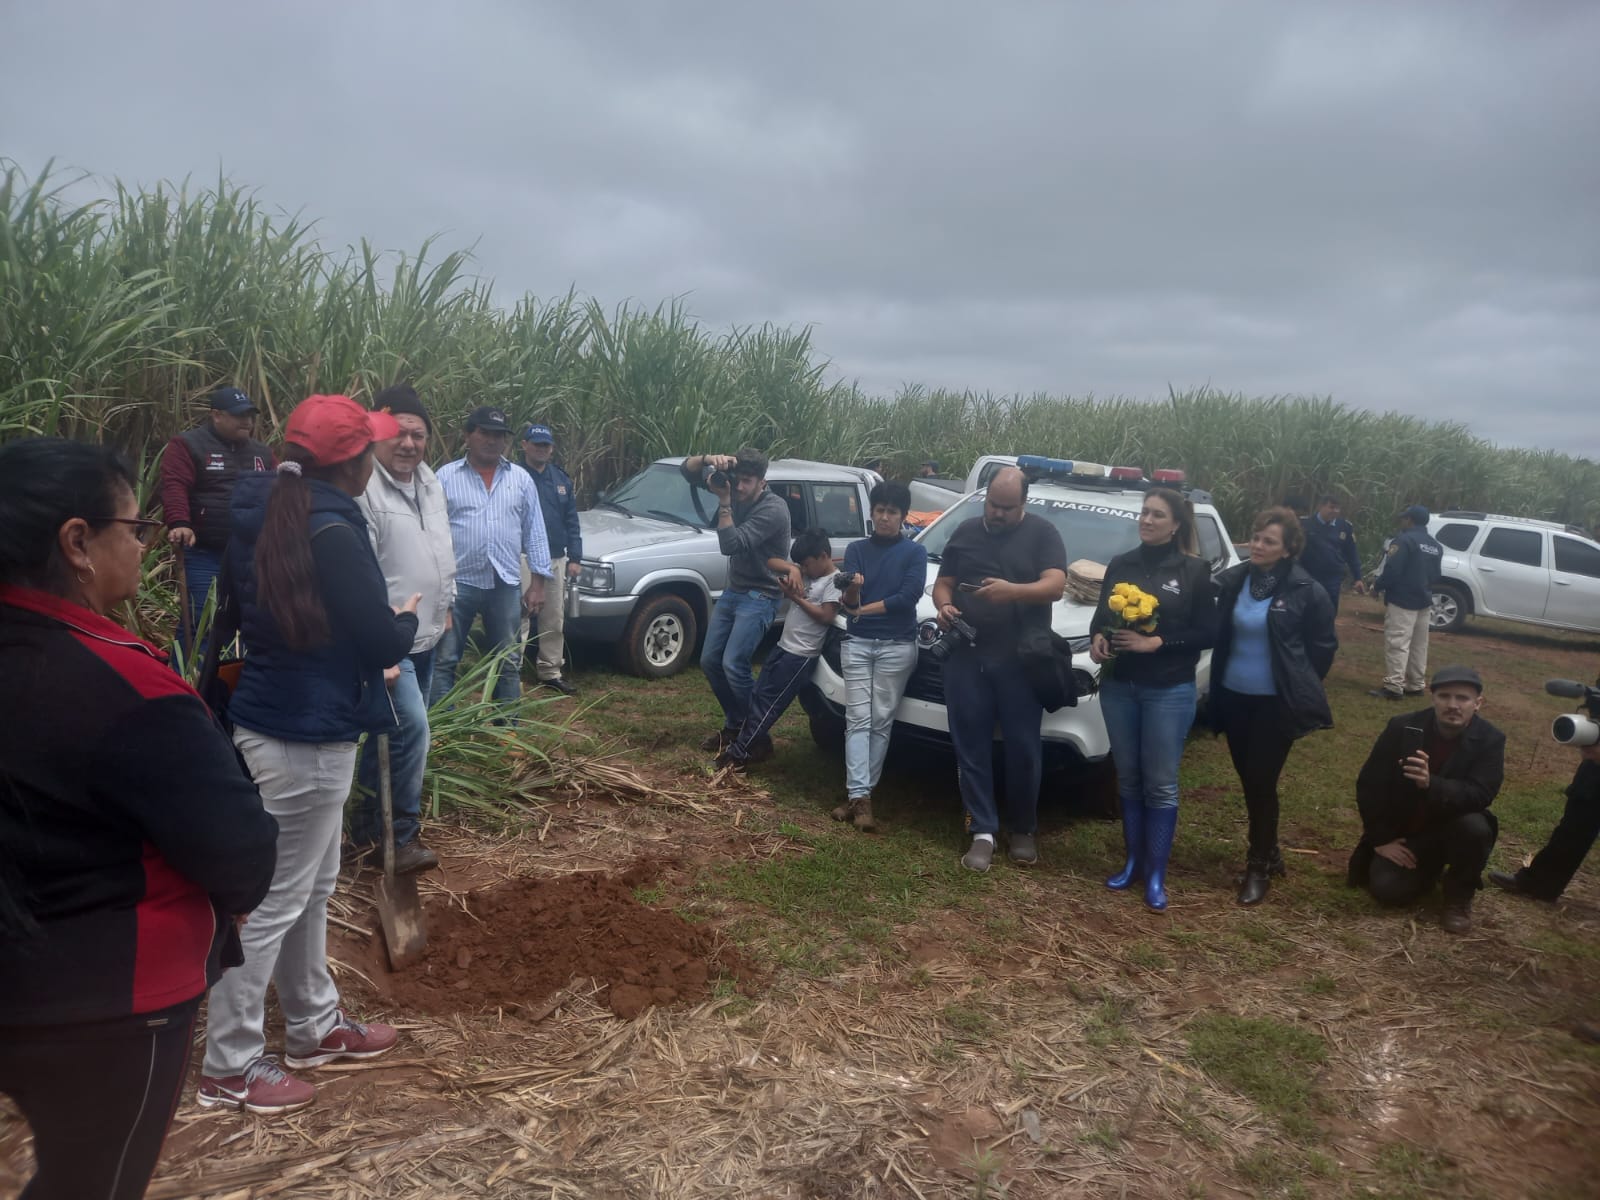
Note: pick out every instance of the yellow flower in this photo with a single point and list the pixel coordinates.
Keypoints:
(1117, 603)
(1147, 607)
(1122, 590)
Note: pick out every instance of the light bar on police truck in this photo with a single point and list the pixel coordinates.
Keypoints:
(1126, 473)
(1168, 475)
(1045, 466)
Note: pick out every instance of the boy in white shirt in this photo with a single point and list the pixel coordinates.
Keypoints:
(814, 598)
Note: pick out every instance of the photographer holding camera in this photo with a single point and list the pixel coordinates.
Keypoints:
(883, 578)
(999, 576)
(752, 526)
(1547, 876)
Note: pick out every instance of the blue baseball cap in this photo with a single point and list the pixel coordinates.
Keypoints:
(1418, 513)
(540, 435)
(232, 401)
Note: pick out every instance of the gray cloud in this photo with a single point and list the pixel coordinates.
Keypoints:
(1389, 203)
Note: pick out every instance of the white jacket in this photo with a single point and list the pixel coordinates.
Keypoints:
(413, 546)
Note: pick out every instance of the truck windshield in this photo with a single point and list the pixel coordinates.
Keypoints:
(661, 491)
(1089, 530)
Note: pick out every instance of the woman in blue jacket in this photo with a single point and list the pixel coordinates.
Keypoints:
(319, 636)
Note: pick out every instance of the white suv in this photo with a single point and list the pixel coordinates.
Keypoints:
(1098, 518)
(1539, 572)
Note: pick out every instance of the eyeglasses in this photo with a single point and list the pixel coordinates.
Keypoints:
(144, 529)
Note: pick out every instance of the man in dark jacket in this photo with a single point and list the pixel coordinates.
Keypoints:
(1424, 796)
(558, 502)
(199, 470)
(1331, 550)
(1547, 876)
(752, 527)
(1410, 566)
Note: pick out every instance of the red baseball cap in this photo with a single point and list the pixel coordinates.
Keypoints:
(336, 428)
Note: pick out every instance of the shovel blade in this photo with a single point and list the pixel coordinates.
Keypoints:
(405, 933)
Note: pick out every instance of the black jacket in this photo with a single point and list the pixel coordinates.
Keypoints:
(129, 831)
(1186, 619)
(1391, 805)
(1301, 638)
(1410, 568)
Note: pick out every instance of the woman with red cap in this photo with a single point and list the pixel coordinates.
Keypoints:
(319, 635)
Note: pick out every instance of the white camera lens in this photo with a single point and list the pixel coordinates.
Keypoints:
(1575, 729)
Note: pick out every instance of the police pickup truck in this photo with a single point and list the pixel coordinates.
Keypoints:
(1096, 511)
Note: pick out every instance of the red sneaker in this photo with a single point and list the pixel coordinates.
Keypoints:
(265, 1087)
(347, 1039)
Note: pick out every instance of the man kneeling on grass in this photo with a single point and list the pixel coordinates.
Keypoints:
(815, 599)
(1424, 795)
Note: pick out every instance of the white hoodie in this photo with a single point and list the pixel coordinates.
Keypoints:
(412, 540)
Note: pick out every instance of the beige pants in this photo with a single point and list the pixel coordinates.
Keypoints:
(1405, 648)
(552, 619)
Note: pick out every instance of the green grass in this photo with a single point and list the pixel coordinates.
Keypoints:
(1270, 1062)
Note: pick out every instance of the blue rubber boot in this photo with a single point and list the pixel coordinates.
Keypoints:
(1133, 838)
(1160, 826)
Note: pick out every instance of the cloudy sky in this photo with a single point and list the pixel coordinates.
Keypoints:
(1392, 203)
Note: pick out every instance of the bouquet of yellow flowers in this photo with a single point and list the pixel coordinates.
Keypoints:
(1133, 609)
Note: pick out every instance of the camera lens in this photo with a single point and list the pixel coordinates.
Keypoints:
(1574, 729)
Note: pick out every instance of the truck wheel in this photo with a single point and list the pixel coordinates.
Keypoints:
(660, 637)
(1450, 608)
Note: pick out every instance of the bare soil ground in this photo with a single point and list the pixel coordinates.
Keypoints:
(759, 1011)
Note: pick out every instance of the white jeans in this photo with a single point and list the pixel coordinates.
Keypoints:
(1405, 648)
(552, 619)
(304, 786)
(875, 675)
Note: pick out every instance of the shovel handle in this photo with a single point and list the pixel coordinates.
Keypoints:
(386, 804)
(185, 614)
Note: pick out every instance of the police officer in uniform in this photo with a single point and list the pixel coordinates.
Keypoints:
(1411, 564)
(199, 470)
(1331, 550)
(558, 501)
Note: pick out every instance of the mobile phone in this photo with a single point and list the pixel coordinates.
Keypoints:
(1410, 740)
(968, 587)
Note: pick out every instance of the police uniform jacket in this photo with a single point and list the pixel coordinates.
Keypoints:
(1410, 567)
(558, 501)
(1330, 549)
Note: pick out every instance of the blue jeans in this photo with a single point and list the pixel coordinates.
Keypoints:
(978, 693)
(408, 755)
(200, 569)
(875, 675)
(738, 623)
(501, 609)
(781, 680)
(1147, 725)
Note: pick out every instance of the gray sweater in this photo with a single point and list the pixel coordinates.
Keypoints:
(760, 531)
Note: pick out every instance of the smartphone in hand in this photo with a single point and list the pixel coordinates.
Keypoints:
(1410, 740)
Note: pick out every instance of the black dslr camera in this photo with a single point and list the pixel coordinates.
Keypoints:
(844, 579)
(942, 643)
(1581, 728)
(715, 479)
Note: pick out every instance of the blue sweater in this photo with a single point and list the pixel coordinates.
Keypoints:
(896, 573)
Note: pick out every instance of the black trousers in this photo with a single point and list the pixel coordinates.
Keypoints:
(1259, 748)
(1553, 867)
(1458, 849)
(99, 1099)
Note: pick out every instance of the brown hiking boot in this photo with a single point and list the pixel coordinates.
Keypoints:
(845, 811)
(863, 815)
(1457, 917)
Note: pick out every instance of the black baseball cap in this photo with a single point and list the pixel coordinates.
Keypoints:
(232, 401)
(1457, 674)
(488, 418)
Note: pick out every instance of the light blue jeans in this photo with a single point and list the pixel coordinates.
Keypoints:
(408, 756)
(1147, 725)
(738, 623)
(875, 675)
(501, 609)
(304, 786)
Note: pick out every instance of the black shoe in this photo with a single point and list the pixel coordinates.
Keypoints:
(1456, 917)
(1506, 882)
(560, 685)
(760, 750)
(1257, 878)
(1414, 692)
(716, 743)
(1383, 693)
(413, 857)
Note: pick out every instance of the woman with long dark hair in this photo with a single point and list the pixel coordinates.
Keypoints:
(1275, 643)
(1149, 699)
(130, 838)
(319, 634)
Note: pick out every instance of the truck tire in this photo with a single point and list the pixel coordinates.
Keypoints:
(660, 637)
(1450, 607)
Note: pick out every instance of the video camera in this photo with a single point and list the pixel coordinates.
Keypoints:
(844, 579)
(1580, 728)
(941, 643)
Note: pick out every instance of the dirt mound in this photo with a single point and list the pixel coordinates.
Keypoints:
(521, 941)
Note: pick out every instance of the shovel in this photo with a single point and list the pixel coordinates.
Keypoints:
(399, 909)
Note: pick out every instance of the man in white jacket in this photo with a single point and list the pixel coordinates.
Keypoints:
(410, 529)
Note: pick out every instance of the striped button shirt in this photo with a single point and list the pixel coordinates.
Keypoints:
(492, 528)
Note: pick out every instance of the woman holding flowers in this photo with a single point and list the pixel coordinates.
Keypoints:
(1157, 612)
(1275, 643)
